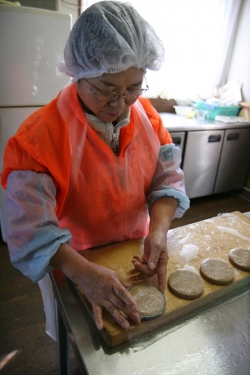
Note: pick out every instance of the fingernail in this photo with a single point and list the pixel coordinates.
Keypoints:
(152, 266)
(125, 325)
(99, 326)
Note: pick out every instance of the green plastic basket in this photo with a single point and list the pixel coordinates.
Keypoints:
(214, 111)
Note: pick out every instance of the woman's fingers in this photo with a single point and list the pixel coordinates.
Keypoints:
(154, 261)
(121, 300)
(162, 271)
(118, 314)
(143, 268)
(115, 309)
(97, 311)
(125, 303)
(124, 296)
(105, 289)
(141, 265)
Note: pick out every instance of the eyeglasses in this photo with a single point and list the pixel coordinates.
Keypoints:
(110, 96)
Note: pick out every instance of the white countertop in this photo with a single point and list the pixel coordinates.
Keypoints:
(174, 122)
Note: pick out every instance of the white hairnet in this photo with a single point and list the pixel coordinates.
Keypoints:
(110, 37)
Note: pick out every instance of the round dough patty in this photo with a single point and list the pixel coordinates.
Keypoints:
(217, 271)
(150, 301)
(186, 284)
(240, 258)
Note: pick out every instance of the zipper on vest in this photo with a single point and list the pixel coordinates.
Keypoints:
(114, 144)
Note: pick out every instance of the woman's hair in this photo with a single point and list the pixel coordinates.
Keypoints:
(110, 37)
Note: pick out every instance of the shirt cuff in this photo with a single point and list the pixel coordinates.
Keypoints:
(183, 201)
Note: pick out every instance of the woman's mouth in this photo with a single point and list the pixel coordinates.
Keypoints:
(111, 115)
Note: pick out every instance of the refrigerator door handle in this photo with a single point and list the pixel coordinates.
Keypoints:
(233, 136)
(214, 138)
(176, 140)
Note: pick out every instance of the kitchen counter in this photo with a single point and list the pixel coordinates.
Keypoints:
(215, 341)
(174, 122)
(215, 155)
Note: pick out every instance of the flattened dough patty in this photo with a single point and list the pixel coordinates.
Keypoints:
(217, 271)
(185, 284)
(150, 301)
(240, 258)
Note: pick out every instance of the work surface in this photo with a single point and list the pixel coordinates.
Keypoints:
(188, 246)
(174, 122)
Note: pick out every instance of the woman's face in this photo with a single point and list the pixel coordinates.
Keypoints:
(120, 83)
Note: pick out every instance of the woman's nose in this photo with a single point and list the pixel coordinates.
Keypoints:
(118, 103)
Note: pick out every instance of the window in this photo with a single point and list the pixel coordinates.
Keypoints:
(197, 40)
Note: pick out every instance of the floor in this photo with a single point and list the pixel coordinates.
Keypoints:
(21, 310)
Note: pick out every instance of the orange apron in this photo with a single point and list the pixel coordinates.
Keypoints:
(106, 199)
(100, 196)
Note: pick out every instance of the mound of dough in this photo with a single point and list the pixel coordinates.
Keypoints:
(240, 258)
(186, 284)
(150, 301)
(217, 271)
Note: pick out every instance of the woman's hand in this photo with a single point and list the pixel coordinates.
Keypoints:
(154, 259)
(102, 286)
(104, 289)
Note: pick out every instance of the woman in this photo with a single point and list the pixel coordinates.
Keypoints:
(90, 167)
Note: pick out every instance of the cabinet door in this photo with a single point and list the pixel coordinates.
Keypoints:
(234, 161)
(201, 160)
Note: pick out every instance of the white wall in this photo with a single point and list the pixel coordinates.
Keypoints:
(69, 9)
(240, 63)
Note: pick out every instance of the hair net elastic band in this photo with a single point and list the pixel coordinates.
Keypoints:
(89, 74)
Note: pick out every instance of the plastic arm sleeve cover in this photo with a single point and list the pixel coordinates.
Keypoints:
(168, 180)
(33, 232)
